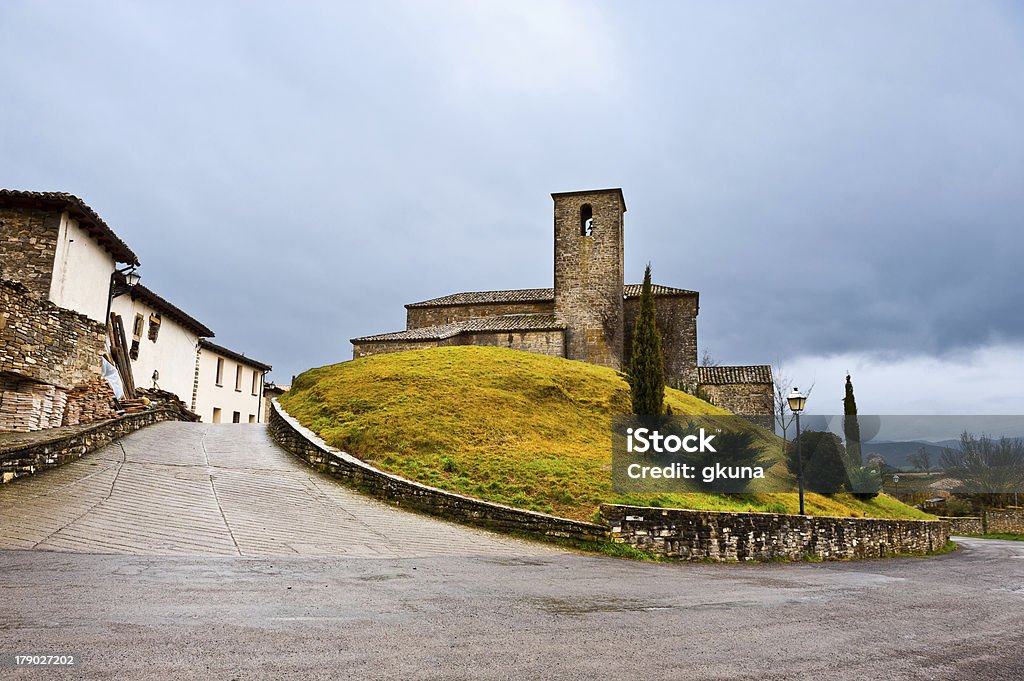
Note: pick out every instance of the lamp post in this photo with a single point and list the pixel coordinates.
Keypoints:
(121, 282)
(896, 481)
(797, 400)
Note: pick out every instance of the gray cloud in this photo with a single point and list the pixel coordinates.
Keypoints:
(833, 178)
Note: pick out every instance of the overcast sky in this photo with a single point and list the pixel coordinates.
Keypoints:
(843, 183)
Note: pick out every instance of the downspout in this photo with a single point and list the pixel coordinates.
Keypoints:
(260, 397)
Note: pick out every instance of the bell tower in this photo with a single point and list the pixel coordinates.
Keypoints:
(589, 274)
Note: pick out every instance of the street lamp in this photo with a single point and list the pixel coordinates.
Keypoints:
(797, 400)
(121, 282)
(896, 481)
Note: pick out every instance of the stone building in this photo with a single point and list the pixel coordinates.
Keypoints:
(58, 264)
(588, 315)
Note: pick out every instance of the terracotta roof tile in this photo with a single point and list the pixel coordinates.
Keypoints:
(140, 292)
(758, 373)
(237, 356)
(533, 295)
(498, 324)
(87, 217)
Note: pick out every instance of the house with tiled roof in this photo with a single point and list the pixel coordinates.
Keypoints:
(62, 272)
(588, 315)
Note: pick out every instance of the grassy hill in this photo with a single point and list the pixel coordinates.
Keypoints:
(511, 427)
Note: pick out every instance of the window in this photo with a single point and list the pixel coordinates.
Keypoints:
(238, 380)
(154, 326)
(252, 418)
(236, 417)
(137, 326)
(255, 382)
(216, 415)
(220, 371)
(586, 220)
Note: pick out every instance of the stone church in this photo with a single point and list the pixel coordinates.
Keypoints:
(588, 316)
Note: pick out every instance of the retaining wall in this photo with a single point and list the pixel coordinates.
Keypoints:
(995, 521)
(710, 535)
(674, 533)
(305, 444)
(41, 452)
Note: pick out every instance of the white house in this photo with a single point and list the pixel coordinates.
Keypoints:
(59, 248)
(55, 248)
(163, 341)
(229, 387)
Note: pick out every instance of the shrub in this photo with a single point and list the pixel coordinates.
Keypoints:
(824, 461)
(865, 481)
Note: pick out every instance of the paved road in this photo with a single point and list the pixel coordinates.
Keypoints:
(216, 490)
(497, 610)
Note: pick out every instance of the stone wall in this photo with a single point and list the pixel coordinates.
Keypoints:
(368, 348)
(966, 525)
(304, 444)
(676, 318)
(756, 401)
(46, 343)
(709, 535)
(589, 276)
(540, 342)
(1005, 521)
(993, 521)
(419, 317)
(29, 457)
(28, 244)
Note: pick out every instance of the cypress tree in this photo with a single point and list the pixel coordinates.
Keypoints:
(851, 427)
(646, 372)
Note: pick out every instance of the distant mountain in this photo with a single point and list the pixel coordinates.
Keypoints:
(897, 453)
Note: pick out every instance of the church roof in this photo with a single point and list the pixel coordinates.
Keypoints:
(757, 373)
(498, 324)
(534, 295)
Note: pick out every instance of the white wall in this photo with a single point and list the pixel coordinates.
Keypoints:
(224, 397)
(173, 354)
(81, 272)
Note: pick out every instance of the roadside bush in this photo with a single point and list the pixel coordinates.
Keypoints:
(824, 461)
(865, 482)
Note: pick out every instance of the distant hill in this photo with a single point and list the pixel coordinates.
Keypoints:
(896, 454)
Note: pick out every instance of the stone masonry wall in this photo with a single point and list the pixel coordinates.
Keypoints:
(709, 535)
(754, 400)
(995, 521)
(676, 318)
(589, 277)
(966, 525)
(28, 245)
(1005, 521)
(46, 343)
(540, 342)
(304, 444)
(32, 457)
(419, 317)
(368, 348)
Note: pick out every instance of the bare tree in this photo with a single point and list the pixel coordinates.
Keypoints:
(783, 385)
(921, 459)
(707, 360)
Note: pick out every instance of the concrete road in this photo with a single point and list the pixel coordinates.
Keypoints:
(217, 490)
(496, 609)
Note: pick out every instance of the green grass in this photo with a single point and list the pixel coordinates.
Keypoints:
(511, 427)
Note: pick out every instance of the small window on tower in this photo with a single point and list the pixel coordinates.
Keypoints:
(586, 220)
